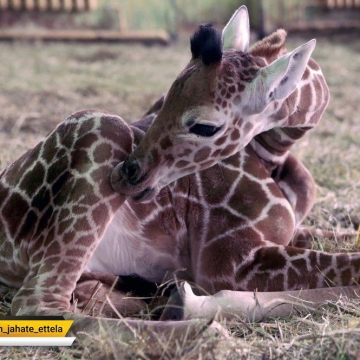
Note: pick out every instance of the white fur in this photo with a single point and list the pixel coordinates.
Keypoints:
(124, 252)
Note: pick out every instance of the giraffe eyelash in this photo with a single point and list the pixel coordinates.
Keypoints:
(204, 130)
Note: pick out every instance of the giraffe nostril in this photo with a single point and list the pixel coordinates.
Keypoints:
(131, 170)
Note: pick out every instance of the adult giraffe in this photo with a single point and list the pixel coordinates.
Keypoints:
(58, 203)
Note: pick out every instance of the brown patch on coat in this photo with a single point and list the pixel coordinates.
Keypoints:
(102, 153)
(165, 143)
(202, 154)
(182, 163)
(246, 198)
(278, 225)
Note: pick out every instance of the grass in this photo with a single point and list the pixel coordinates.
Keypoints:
(41, 84)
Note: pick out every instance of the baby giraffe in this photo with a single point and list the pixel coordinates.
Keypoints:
(218, 104)
(261, 191)
(82, 200)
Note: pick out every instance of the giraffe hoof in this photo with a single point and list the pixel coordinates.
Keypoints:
(174, 309)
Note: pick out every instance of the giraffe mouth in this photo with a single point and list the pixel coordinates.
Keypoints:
(121, 183)
(147, 194)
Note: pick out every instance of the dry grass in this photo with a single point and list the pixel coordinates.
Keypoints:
(41, 84)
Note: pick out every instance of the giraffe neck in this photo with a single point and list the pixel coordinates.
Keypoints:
(272, 146)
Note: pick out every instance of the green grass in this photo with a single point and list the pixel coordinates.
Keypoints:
(41, 84)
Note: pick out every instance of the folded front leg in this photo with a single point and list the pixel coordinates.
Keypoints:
(58, 201)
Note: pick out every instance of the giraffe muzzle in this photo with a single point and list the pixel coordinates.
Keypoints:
(131, 171)
(128, 178)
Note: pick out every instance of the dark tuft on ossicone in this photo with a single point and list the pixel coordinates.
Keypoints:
(206, 43)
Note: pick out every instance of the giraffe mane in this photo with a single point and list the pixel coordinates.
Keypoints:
(205, 43)
(271, 47)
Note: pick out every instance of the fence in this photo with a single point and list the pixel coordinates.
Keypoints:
(174, 14)
(291, 14)
(169, 14)
(340, 4)
(48, 5)
(304, 14)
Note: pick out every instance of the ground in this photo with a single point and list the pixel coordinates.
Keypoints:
(41, 84)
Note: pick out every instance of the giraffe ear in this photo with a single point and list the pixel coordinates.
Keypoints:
(279, 79)
(236, 34)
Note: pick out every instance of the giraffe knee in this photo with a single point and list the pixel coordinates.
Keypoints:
(93, 126)
(298, 186)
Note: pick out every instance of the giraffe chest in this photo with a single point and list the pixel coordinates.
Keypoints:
(132, 245)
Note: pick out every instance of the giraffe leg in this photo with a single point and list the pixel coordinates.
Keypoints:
(298, 186)
(157, 335)
(6, 296)
(68, 211)
(256, 265)
(250, 306)
(97, 295)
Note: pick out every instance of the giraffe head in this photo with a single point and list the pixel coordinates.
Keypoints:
(219, 102)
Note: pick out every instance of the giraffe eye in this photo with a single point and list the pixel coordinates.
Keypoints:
(204, 130)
